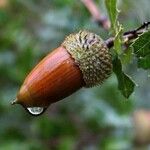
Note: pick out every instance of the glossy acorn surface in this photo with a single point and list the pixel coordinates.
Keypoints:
(82, 60)
(54, 78)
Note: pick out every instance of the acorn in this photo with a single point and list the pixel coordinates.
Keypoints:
(82, 60)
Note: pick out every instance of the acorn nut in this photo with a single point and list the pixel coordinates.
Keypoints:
(82, 60)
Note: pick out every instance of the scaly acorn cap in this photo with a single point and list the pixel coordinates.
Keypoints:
(91, 55)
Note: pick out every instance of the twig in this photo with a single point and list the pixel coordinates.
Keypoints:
(99, 18)
(139, 30)
(126, 38)
(129, 35)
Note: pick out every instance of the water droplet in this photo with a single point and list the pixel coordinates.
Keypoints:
(35, 111)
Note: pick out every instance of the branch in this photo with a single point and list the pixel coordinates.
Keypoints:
(3, 3)
(129, 35)
(99, 18)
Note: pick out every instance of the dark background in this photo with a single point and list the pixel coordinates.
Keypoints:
(90, 119)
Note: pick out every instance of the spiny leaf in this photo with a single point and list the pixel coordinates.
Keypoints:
(125, 83)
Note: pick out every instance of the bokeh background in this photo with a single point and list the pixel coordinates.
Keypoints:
(90, 119)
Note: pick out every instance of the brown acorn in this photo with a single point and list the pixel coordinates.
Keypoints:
(82, 60)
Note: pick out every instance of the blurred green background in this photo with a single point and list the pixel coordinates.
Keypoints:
(90, 119)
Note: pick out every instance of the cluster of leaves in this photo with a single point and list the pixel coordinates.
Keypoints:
(140, 47)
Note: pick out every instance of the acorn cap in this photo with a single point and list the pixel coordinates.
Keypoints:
(91, 55)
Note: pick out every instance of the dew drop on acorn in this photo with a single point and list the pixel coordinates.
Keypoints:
(35, 111)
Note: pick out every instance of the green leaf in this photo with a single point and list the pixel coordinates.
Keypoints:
(116, 27)
(141, 48)
(118, 38)
(144, 62)
(111, 6)
(125, 83)
(127, 56)
(142, 45)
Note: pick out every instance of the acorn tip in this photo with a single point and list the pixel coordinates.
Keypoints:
(14, 102)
